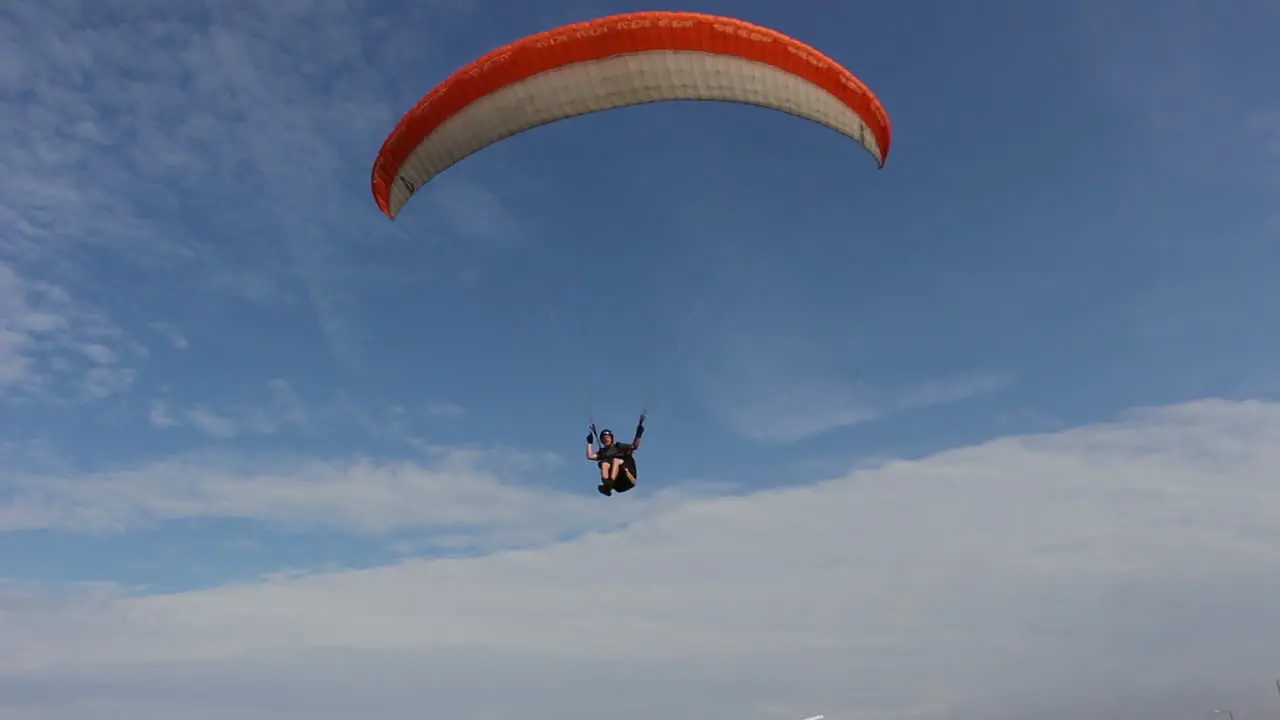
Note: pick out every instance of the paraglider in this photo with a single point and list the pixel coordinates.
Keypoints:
(617, 460)
(612, 62)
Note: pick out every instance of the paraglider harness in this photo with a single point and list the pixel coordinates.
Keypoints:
(627, 477)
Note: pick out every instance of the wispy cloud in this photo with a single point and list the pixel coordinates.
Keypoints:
(91, 130)
(463, 497)
(1147, 69)
(160, 415)
(263, 413)
(476, 214)
(949, 390)
(787, 411)
(782, 407)
(176, 338)
(54, 348)
(211, 423)
(1120, 556)
(302, 123)
(778, 365)
(129, 131)
(279, 410)
(442, 408)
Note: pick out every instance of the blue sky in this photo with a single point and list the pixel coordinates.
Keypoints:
(222, 369)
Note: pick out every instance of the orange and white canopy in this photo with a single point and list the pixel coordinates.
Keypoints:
(613, 62)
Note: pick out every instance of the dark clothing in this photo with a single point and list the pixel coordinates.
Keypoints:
(608, 453)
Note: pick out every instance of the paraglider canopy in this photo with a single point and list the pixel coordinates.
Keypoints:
(612, 62)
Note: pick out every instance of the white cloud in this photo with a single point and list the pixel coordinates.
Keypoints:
(116, 116)
(1040, 576)
(476, 214)
(783, 412)
(54, 348)
(777, 366)
(782, 406)
(464, 498)
(99, 354)
(949, 390)
(160, 415)
(177, 339)
(265, 413)
(211, 423)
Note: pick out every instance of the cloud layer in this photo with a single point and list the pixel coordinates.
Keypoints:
(990, 581)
